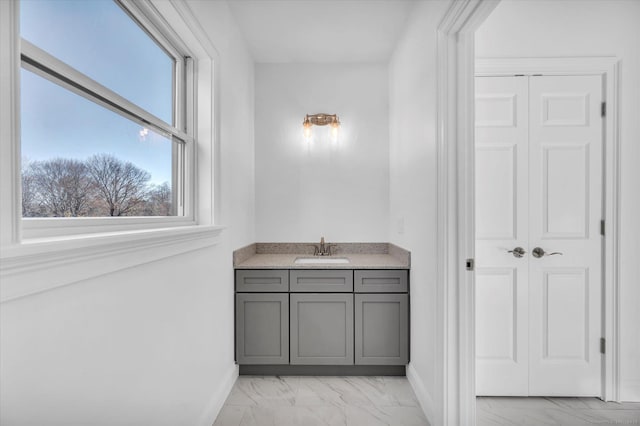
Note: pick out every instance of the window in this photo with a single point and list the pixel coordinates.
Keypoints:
(105, 126)
(40, 253)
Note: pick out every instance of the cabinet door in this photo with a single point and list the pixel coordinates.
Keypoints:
(381, 329)
(324, 280)
(262, 328)
(381, 281)
(322, 329)
(262, 280)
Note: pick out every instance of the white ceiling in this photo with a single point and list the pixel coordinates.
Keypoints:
(321, 30)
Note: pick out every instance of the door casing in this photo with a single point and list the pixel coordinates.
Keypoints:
(455, 208)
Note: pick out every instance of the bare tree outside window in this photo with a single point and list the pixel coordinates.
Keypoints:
(29, 190)
(159, 201)
(61, 187)
(122, 186)
(102, 185)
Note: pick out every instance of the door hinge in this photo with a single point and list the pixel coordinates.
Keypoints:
(602, 345)
(470, 264)
(603, 109)
(602, 227)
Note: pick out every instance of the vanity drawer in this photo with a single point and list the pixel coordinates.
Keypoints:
(381, 281)
(321, 281)
(262, 280)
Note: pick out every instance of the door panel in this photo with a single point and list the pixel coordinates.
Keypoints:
(497, 216)
(501, 225)
(565, 160)
(565, 190)
(565, 308)
(262, 328)
(321, 329)
(381, 329)
(497, 314)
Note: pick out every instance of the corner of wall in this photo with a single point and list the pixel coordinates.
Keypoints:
(218, 398)
(425, 400)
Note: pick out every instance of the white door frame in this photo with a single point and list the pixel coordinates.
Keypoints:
(456, 191)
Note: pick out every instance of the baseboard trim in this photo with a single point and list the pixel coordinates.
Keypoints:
(220, 395)
(323, 370)
(630, 391)
(421, 393)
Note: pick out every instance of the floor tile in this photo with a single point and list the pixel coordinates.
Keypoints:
(230, 415)
(374, 416)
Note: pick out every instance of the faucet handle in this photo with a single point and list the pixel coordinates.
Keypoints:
(329, 247)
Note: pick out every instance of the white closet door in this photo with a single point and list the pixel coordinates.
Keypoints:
(565, 175)
(539, 156)
(501, 225)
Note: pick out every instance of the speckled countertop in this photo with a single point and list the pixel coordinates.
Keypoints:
(283, 256)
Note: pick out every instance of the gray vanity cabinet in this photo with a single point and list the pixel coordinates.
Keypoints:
(262, 328)
(321, 329)
(343, 318)
(381, 329)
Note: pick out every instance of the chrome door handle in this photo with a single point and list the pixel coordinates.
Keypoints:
(517, 252)
(539, 252)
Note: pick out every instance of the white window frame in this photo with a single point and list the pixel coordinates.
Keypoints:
(47, 66)
(104, 245)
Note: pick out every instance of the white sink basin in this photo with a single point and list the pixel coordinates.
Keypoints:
(321, 260)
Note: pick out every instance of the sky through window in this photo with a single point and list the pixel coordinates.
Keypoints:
(99, 39)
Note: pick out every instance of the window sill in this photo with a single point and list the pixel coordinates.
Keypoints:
(44, 229)
(41, 264)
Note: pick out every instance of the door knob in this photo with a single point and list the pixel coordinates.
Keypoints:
(539, 252)
(517, 252)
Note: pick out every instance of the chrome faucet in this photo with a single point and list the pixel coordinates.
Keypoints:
(323, 249)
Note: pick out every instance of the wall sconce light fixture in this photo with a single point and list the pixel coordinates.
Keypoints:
(321, 120)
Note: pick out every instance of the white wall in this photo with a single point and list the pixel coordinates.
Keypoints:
(146, 345)
(236, 86)
(305, 192)
(591, 28)
(151, 344)
(412, 95)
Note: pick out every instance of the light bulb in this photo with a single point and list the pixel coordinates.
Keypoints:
(306, 131)
(333, 133)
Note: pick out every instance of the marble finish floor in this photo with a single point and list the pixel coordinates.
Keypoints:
(373, 401)
(309, 401)
(506, 411)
